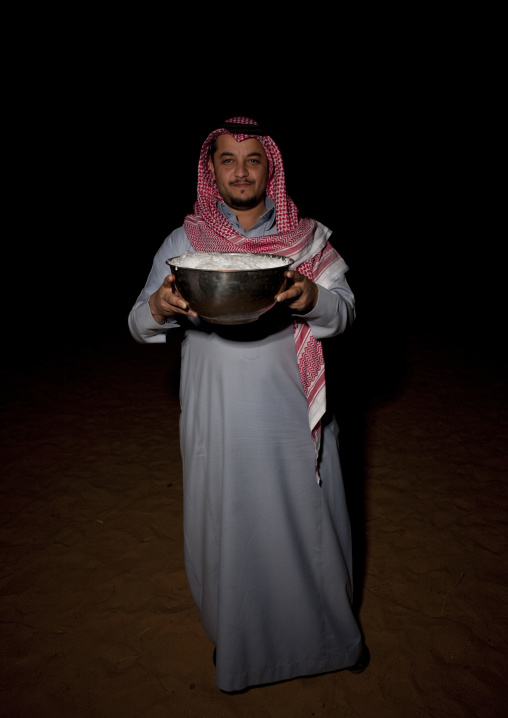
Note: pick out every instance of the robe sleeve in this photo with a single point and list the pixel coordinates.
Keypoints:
(334, 310)
(142, 325)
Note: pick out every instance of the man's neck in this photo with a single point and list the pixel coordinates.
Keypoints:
(248, 217)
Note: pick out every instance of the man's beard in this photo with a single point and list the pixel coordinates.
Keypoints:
(242, 202)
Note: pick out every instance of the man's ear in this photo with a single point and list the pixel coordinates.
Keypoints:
(211, 167)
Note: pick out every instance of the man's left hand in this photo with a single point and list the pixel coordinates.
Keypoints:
(302, 295)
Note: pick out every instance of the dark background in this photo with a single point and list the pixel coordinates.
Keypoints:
(386, 146)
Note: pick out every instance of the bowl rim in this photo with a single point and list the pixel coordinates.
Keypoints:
(287, 262)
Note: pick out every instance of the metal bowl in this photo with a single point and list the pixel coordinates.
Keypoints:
(230, 296)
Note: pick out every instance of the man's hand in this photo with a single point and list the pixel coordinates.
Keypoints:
(167, 300)
(302, 295)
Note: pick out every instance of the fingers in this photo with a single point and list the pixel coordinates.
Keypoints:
(301, 295)
(295, 288)
(171, 301)
(290, 294)
(173, 296)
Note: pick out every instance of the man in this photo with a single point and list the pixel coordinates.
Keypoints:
(267, 534)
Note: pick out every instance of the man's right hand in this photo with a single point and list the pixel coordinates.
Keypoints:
(167, 300)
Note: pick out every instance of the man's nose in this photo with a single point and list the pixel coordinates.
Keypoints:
(241, 170)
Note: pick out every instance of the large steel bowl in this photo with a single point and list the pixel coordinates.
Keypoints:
(230, 296)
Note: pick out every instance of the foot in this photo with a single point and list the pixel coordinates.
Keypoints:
(362, 663)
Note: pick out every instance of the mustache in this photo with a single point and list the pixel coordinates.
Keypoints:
(233, 184)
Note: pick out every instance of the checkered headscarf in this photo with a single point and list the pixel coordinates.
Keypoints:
(305, 240)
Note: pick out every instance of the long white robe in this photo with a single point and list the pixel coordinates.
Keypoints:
(267, 549)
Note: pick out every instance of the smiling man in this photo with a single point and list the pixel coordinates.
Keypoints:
(268, 549)
(240, 170)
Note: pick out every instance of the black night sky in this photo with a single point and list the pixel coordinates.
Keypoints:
(105, 166)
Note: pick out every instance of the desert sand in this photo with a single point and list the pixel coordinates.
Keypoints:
(97, 617)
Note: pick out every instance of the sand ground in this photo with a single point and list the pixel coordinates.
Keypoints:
(97, 618)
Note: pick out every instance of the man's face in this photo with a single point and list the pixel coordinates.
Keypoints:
(240, 170)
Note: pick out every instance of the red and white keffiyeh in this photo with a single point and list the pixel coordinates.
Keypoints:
(305, 240)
